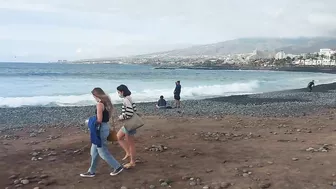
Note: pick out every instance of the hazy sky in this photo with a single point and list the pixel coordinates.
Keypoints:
(42, 30)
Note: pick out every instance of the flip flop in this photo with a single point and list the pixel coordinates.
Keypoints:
(129, 165)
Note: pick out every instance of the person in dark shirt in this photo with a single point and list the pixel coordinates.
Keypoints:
(162, 103)
(311, 85)
(177, 93)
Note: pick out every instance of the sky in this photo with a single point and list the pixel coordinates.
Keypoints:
(48, 30)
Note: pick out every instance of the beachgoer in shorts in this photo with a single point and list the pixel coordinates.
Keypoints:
(126, 138)
(311, 85)
(104, 112)
(177, 93)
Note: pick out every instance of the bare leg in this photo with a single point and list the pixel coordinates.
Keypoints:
(130, 140)
(123, 143)
(178, 103)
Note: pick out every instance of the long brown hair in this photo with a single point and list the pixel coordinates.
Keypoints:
(105, 99)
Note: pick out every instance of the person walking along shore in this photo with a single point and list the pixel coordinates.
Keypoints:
(125, 137)
(99, 131)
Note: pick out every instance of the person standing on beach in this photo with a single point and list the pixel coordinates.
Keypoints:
(104, 111)
(177, 93)
(125, 137)
(311, 85)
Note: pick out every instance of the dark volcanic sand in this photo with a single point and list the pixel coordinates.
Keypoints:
(294, 150)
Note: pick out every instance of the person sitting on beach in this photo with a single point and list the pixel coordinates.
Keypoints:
(311, 85)
(126, 138)
(162, 103)
(104, 110)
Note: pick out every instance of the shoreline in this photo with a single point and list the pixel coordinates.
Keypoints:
(288, 103)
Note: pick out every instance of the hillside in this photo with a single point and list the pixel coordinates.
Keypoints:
(245, 45)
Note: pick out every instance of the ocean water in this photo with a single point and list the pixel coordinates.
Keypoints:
(27, 84)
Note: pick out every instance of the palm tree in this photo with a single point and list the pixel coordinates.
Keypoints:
(332, 57)
(288, 60)
(314, 58)
(322, 57)
(301, 58)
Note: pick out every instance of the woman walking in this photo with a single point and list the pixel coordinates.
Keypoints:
(101, 128)
(125, 137)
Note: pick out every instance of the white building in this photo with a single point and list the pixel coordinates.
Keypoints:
(326, 52)
(257, 54)
(310, 62)
(280, 55)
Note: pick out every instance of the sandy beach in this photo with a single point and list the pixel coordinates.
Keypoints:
(271, 140)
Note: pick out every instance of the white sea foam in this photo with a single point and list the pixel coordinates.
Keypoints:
(146, 95)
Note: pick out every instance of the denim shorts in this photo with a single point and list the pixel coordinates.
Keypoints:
(131, 133)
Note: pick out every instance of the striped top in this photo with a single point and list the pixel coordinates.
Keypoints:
(128, 108)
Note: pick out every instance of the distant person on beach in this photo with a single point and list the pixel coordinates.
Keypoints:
(99, 131)
(126, 138)
(177, 93)
(311, 85)
(162, 103)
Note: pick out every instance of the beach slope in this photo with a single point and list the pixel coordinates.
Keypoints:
(273, 140)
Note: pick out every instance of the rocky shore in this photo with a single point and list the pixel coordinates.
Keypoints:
(290, 103)
(272, 140)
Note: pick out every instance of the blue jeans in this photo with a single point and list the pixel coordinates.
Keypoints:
(103, 152)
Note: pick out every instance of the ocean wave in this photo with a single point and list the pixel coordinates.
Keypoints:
(44, 74)
(147, 95)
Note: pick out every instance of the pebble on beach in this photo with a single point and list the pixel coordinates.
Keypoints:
(265, 185)
(157, 148)
(25, 181)
(295, 159)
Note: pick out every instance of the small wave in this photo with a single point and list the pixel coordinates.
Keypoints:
(42, 74)
(147, 95)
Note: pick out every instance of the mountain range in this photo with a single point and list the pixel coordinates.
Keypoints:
(248, 45)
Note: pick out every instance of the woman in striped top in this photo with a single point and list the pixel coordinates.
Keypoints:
(126, 138)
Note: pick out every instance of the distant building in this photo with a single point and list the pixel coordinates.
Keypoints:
(311, 62)
(258, 54)
(291, 55)
(280, 55)
(326, 52)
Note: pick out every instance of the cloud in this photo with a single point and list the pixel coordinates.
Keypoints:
(106, 27)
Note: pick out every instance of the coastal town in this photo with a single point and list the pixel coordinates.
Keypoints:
(257, 58)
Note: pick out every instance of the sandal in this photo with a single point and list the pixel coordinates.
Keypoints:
(129, 165)
(126, 157)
